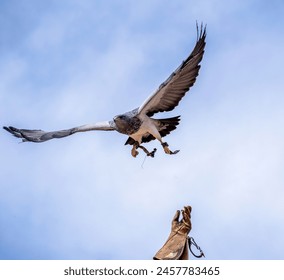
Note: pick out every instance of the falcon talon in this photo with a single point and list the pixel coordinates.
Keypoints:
(146, 151)
(165, 144)
(152, 154)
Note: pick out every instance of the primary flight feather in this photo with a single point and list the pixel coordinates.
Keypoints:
(138, 124)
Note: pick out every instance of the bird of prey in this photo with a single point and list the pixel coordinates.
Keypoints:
(138, 124)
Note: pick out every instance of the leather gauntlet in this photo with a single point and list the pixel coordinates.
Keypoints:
(176, 246)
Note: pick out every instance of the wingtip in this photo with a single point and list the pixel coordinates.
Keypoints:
(14, 131)
(202, 33)
(10, 129)
(6, 128)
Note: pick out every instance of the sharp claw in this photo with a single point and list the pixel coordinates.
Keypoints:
(152, 154)
(167, 150)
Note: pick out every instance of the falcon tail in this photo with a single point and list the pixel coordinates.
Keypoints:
(165, 126)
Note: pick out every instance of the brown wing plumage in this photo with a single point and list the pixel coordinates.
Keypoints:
(169, 94)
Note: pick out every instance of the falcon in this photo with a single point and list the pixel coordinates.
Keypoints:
(139, 124)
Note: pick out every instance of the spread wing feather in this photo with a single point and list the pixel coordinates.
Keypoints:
(170, 92)
(37, 136)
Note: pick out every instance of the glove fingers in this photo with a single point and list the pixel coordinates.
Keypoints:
(187, 209)
(176, 218)
(186, 215)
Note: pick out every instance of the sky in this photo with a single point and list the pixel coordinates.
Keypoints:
(70, 62)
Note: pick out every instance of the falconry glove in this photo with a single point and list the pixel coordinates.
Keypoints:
(176, 246)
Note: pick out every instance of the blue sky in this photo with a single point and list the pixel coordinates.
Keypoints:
(68, 63)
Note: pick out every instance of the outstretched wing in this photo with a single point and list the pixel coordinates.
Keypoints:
(169, 94)
(37, 136)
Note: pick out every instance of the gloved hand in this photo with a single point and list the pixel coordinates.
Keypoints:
(176, 246)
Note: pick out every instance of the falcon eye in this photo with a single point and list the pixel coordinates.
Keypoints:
(119, 117)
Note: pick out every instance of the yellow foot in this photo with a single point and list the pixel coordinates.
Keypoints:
(167, 150)
(134, 152)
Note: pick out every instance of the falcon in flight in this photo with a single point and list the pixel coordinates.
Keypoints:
(139, 124)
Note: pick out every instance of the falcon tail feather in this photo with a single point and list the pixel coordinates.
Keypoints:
(165, 126)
